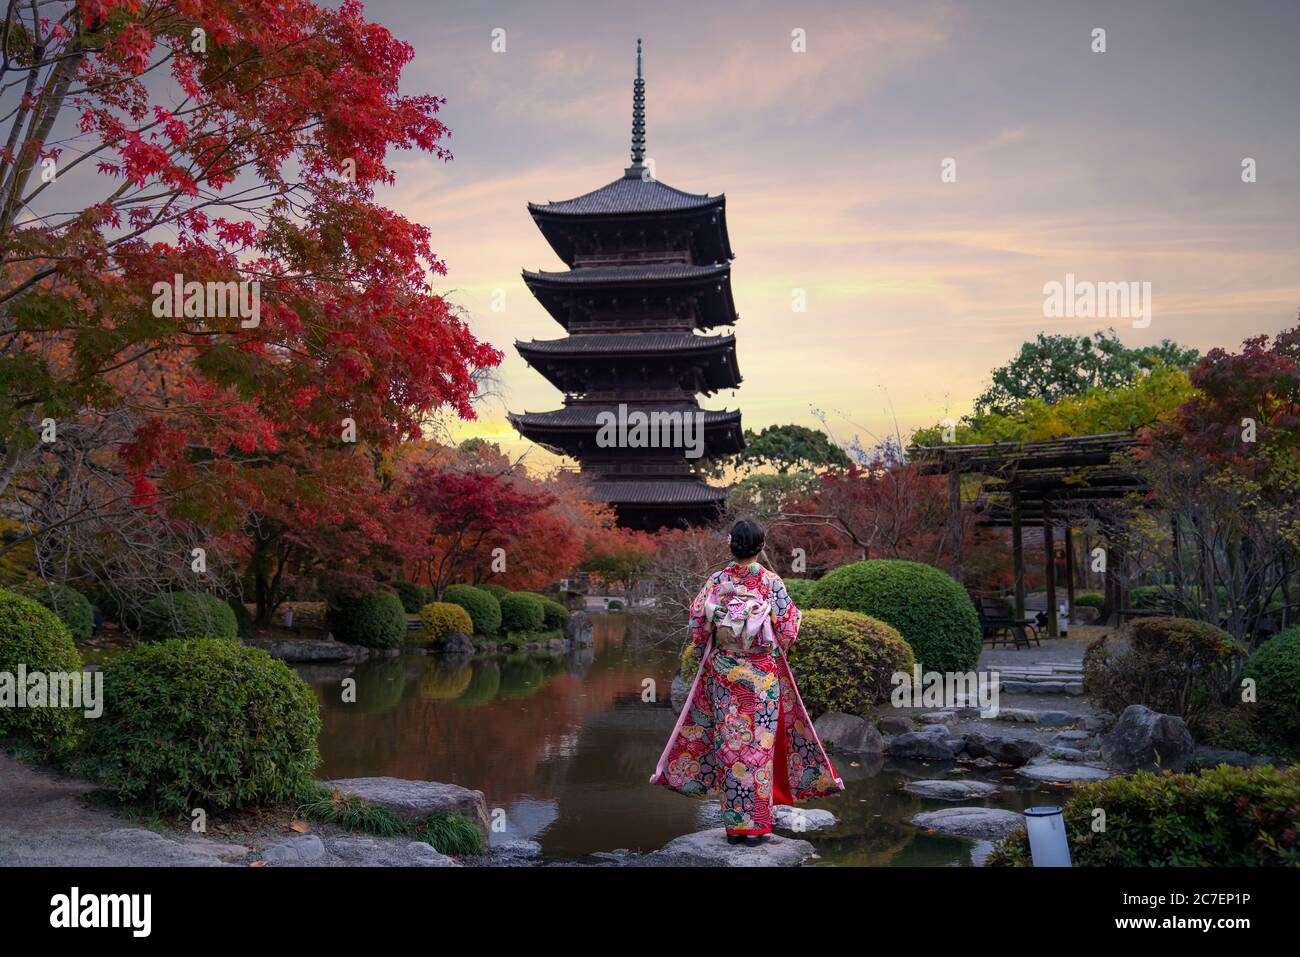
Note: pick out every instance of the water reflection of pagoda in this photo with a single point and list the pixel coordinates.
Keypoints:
(648, 265)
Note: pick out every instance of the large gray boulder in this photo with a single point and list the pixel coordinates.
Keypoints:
(416, 800)
(848, 733)
(456, 645)
(919, 746)
(989, 823)
(895, 724)
(308, 649)
(951, 790)
(1143, 740)
(801, 819)
(580, 629)
(710, 849)
(1012, 751)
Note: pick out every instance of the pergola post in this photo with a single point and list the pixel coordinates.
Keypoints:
(1049, 558)
(1017, 555)
(954, 520)
(1069, 567)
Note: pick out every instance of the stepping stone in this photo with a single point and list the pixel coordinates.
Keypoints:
(924, 747)
(1067, 754)
(951, 790)
(1074, 689)
(1018, 714)
(894, 724)
(303, 849)
(936, 729)
(710, 849)
(989, 823)
(938, 717)
(1056, 719)
(1054, 772)
(1071, 738)
(386, 852)
(848, 733)
(801, 819)
(416, 800)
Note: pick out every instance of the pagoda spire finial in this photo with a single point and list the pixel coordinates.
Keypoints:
(636, 170)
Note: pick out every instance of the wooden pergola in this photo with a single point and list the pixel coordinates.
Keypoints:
(1047, 483)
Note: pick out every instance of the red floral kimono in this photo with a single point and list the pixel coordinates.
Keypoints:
(744, 733)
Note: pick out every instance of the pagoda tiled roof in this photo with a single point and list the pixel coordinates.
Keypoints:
(638, 344)
(628, 195)
(584, 415)
(683, 491)
(614, 275)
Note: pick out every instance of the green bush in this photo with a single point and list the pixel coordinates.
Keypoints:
(615, 604)
(484, 608)
(496, 591)
(930, 610)
(1235, 728)
(442, 618)
(184, 615)
(376, 621)
(32, 635)
(1221, 817)
(800, 591)
(205, 723)
(554, 615)
(1275, 666)
(72, 607)
(1172, 665)
(522, 611)
(843, 661)
(1090, 599)
(243, 617)
(412, 596)
(688, 662)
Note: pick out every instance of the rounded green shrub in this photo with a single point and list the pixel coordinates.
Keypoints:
(33, 636)
(522, 611)
(376, 621)
(844, 661)
(1221, 817)
(800, 591)
(1090, 599)
(496, 591)
(184, 615)
(615, 604)
(484, 608)
(930, 610)
(412, 596)
(72, 607)
(1175, 666)
(1275, 666)
(554, 615)
(205, 723)
(442, 618)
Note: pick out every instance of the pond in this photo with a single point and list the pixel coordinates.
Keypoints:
(565, 746)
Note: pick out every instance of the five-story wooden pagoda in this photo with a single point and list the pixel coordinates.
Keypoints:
(648, 266)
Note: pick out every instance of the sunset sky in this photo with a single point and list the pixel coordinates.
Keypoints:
(1117, 166)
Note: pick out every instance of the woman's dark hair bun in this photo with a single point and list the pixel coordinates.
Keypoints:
(747, 538)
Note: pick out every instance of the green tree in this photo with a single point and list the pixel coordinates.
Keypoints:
(1053, 367)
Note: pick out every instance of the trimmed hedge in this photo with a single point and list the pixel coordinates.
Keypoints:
(1090, 599)
(205, 723)
(376, 621)
(1275, 666)
(844, 661)
(32, 635)
(184, 615)
(484, 608)
(1172, 665)
(72, 607)
(522, 611)
(442, 618)
(930, 610)
(412, 596)
(1222, 817)
(800, 591)
(554, 615)
(496, 591)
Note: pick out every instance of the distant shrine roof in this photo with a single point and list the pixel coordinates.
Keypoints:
(629, 195)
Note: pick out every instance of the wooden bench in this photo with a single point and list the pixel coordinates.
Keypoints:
(999, 623)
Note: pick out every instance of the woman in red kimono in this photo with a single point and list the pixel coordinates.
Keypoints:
(744, 733)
